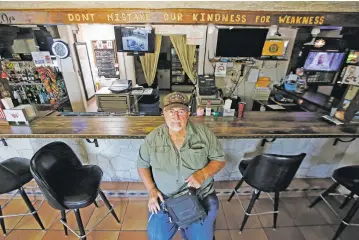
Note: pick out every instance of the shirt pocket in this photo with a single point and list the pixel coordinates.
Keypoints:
(160, 157)
(197, 156)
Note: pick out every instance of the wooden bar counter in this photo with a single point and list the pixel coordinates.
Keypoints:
(113, 142)
(254, 125)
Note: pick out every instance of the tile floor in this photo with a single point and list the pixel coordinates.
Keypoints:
(295, 222)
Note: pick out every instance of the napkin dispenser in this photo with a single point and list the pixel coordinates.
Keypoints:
(21, 113)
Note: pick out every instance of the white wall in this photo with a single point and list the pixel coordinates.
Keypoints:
(68, 67)
(92, 32)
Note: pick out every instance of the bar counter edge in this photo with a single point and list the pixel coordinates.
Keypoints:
(254, 125)
(116, 153)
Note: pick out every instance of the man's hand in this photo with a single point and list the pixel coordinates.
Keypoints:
(196, 179)
(153, 196)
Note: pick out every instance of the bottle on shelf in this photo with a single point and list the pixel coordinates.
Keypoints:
(44, 95)
(37, 94)
(41, 96)
(208, 108)
(29, 94)
(17, 97)
(23, 95)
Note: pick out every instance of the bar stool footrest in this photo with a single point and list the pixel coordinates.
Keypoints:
(335, 212)
(253, 214)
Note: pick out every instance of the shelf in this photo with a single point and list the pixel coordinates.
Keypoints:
(318, 99)
(184, 84)
(25, 84)
(272, 59)
(65, 99)
(321, 83)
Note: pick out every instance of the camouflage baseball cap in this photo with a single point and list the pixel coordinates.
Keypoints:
(176, 99)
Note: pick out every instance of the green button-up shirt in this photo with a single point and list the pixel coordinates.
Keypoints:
(171, 167)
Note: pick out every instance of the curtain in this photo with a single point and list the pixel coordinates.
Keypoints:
(185, 54)
(150, 60)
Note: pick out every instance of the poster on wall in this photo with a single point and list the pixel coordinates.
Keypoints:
(351, 75)
(105, 58)
(353, 57)
(41, 58)
(194, 37)
(221, 69)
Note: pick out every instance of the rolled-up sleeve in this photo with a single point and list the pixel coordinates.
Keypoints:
(216, 151)
(143, 160)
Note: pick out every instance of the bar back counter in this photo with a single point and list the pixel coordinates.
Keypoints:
(113, 142)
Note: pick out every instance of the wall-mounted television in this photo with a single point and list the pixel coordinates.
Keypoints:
(241, 42)
(135, 39)
(323, 61)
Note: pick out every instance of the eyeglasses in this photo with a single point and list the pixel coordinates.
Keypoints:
(180, 113)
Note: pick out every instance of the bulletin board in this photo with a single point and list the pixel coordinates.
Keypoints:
(105, 55)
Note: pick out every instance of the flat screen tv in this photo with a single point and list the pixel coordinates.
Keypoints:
(241, 42)
(134, 39)
(323, 61)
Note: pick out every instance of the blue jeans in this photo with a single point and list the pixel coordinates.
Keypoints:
(160, 228)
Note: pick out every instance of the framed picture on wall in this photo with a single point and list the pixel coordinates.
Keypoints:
(351, 75)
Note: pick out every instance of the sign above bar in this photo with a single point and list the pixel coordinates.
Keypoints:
(177, 16)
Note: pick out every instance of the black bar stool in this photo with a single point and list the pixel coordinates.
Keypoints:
(14, 174)
(267, 173)
(348, 177)
(67, 184)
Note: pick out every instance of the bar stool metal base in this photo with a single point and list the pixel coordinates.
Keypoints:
(79, 221)
(254, 214)
(354, 208)
(255, 196)
(32, 210)
(335, 212)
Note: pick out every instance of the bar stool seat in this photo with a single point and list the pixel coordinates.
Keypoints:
(20, 168)
(81, 186)
(348, 177)
(243, 166)
(14, 174)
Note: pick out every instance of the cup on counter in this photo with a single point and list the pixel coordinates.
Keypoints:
(241, 109)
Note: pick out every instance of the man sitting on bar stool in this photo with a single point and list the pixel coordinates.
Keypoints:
(172, 155)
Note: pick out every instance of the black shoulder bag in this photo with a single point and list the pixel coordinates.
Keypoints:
(184, 208)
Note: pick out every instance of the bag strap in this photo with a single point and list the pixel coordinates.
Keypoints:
(183, 187)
